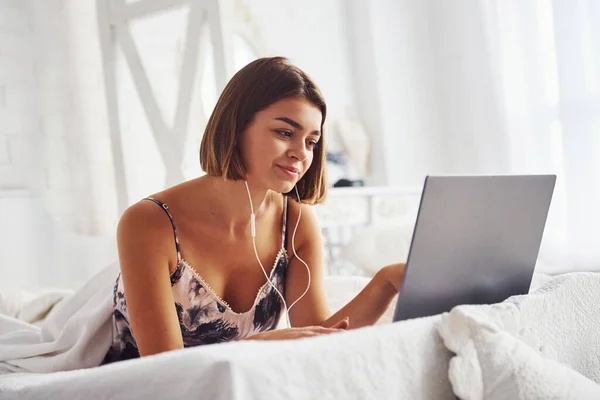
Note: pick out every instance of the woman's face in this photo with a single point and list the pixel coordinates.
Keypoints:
(278, 144)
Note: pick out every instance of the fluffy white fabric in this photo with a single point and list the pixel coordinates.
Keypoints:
(541, 346)
(75, 334)
(30, 306)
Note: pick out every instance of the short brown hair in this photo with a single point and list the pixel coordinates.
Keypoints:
(252, 89)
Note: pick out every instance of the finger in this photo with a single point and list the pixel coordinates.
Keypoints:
(324, 331)
(342, 324)
(321, 329)
(305, 334)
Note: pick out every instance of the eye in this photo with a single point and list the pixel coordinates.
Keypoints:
(312, 144)
(284, 133)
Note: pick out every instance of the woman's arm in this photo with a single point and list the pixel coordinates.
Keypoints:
(365, 309)
(370, 304)
(145, 241)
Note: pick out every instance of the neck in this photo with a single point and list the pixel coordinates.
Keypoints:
(231, 204)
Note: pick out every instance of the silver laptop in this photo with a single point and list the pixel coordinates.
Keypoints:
(476, 241)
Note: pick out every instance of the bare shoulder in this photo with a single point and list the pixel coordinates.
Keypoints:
(145, 231)
(144, 218)
(308, 231)
(147, 254)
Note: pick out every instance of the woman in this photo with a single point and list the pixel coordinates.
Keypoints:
(194, 258)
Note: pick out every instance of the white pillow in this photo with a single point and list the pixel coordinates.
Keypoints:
(376, 246)
(495, 365)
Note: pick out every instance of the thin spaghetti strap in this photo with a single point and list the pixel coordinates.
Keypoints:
(166, 210)
(284, 239)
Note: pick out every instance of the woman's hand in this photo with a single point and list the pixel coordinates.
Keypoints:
(301, 332)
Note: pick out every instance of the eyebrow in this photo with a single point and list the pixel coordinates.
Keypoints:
(295, 124)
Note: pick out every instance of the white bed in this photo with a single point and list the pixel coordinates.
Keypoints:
(401, 360)
(542, 336)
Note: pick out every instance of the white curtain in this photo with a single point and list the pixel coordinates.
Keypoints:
(545, 59)
(489, 87)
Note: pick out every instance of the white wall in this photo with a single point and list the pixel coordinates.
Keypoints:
(20, 122)
(39, 253)
(19, 111)
(52, 131)
(53, 136)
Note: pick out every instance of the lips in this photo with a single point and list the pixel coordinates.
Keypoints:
(293, 170)
(289, 171)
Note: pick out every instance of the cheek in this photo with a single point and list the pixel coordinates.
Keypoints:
(309, 159)
(250, 155)
(308, 162)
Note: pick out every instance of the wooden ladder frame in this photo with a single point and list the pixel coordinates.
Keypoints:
(114, 17)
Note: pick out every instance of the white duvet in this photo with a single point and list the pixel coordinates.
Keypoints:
(545, 345)
(538, 346)
(377, 362)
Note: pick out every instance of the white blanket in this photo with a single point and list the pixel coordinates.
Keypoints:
(30, 306)
(75, 334)
(392, 361)
(542, 346)
(406, 360)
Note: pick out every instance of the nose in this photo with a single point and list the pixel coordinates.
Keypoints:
(298, 151)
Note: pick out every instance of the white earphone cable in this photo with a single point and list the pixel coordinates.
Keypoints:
(296, 254)
(253, 233)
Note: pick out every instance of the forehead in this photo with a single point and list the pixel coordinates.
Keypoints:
(298, 109)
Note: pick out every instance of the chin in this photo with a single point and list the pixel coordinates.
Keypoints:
(284, 187)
